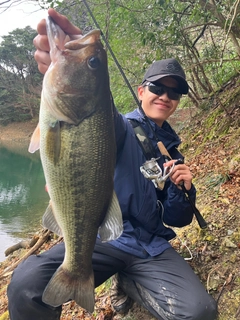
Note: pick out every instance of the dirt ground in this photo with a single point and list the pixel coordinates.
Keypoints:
(214, 251)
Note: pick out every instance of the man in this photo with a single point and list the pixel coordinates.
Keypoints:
(149, 270)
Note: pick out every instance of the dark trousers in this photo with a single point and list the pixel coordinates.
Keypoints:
(165, 285)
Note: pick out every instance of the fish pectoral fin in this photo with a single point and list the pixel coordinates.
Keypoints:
(49, 221)
(63, 286)
(35, 140)
(112, 225)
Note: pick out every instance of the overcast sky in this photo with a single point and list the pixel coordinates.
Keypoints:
(20, 16)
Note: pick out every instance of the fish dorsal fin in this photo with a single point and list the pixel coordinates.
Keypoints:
(49, 221)
(112, 225)
(35, 140)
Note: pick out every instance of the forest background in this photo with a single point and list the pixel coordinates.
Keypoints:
(204, 36)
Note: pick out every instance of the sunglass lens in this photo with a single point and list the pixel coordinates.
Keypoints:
(157, 90)
(160, 90)
(173, 95)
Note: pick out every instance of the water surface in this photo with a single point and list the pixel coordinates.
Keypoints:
(23, 199)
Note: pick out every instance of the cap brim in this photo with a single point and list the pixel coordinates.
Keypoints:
(183, 85)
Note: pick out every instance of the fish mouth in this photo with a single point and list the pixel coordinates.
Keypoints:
(60, 41)
(56, 36)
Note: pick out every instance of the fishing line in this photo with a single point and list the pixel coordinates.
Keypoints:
(112, 53)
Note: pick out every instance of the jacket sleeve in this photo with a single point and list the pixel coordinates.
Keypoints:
(177, 209)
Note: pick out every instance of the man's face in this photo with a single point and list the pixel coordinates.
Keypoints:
(158, 108)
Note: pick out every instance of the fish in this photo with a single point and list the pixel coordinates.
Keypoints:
(76, 139)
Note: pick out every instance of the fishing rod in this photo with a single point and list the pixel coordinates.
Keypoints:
(112, 53)
(202, 223)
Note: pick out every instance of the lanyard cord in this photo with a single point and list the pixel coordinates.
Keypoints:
(113, 55)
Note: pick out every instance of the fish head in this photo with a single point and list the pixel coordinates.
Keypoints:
(77, 79)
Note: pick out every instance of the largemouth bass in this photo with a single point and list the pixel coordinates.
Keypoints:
(76, 139)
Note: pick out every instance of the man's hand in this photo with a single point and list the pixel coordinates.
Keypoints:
(41, 55)
(180, 174)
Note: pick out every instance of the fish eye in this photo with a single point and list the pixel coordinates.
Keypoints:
(93, 63)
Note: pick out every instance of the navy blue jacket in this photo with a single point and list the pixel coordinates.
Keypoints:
(145, 211)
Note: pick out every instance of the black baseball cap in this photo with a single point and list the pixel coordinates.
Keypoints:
(167, 68)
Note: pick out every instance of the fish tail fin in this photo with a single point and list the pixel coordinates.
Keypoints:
(64, 287)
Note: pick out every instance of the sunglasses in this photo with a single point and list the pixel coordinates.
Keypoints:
(160, 89)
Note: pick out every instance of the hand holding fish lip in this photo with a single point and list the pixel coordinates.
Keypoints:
(41, 43)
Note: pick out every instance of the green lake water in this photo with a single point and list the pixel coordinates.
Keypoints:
(23, 199)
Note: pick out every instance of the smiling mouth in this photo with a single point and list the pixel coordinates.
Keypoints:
(162, 106)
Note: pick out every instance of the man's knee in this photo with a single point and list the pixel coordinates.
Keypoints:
(37, 270)
(28, 283)
(196, 307)
(205, 309)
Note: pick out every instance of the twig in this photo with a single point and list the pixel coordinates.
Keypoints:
(220, 293)
(22, 244)
(237, 313)
(226, 282)
(208, 278)
(40, 242)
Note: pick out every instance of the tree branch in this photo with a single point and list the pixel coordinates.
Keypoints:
(200, 35)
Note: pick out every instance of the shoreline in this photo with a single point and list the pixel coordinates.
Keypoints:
(16, 136)
(17, 131)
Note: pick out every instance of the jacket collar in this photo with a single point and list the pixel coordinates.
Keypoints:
(166, 133)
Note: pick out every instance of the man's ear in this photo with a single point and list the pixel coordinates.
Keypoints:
(140, 92)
